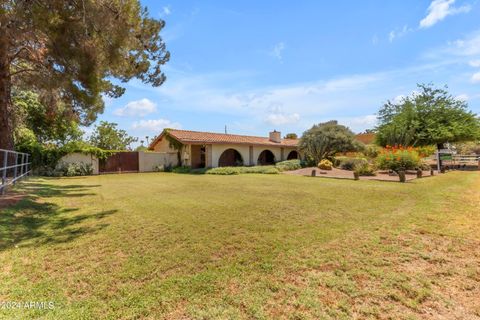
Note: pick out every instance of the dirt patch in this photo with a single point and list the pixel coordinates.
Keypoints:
(11, 199)
(346, 174)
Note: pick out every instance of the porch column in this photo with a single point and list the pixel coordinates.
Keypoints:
(208, 156)
(282, 154)
(250, 156)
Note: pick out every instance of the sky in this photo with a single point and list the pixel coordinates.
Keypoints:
(256, 66)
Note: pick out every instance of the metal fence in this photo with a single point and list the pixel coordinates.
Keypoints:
(14, 166)
(460, 158)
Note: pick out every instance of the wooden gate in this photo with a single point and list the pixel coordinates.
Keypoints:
(120, 162)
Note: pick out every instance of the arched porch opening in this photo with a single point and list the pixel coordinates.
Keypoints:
(266, 157)
(230, 158)
(292, 155)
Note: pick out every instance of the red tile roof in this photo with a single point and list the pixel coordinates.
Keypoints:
(187, 136)
(367, 138)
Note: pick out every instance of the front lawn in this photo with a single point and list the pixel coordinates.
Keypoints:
(163, 245)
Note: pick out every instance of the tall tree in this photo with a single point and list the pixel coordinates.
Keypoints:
(107, 136)
(431, 116)
(291, 136)
(32, 115)
(326, 139)
(68, 51)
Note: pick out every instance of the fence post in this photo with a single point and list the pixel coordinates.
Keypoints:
(15, 169)
(28, 158)
(4, 173)
(22, 164)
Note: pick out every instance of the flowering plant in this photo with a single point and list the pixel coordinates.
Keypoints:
(398, 158)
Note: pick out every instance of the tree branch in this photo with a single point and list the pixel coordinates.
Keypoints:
(22, 71)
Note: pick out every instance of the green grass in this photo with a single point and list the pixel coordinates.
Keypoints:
(169, 246)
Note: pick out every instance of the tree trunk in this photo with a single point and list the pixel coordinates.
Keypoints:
(6, 108)
(439, 161)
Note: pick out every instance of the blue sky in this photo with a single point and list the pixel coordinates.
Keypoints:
(256, 66)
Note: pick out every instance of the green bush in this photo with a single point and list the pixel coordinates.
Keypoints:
(289, 165)
(73, 169)
(372, 151)
(325, 164)
(260, 169)
(198, 171)
(398, 159)
(365, 170)
(424, 165)
(181, 169)
(243, 170)
(224, 171)
(347, 163)
(46, 157)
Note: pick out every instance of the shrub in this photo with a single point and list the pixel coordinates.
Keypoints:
(289, 165)
(72, 169)
(425, 151)
(398, 158)
(325, 164)
(424, 165)
(243, 170)
(365, 170)
(372, 151)
(259, 169)
(224, 171)
(198, 171)
(347, 163)
(181, 169)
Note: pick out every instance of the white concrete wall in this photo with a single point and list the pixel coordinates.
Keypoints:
(81, 158)
(148, 161)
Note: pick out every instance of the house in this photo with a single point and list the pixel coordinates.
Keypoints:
(207, 149)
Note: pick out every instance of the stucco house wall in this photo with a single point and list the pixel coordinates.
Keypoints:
(217, 150)
(244, 150)
(259, 149)
(163, 145)
(148, 161)
(81, 158)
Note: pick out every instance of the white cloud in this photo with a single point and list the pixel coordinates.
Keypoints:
(155, 126)
(462, 97)
(137, 108)
(458, 54)
(474, 63)
(398, 33)
(468, 46)
(277, 51)
(398, 99)
(279, 119)
(166, 11)
(476, 77)
(375, 40)
(439, 10)
(360, 123)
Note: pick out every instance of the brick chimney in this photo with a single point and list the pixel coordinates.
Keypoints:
(275, 136)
